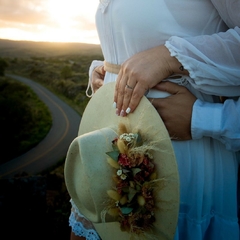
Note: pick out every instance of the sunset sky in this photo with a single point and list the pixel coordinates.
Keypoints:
(48, 20)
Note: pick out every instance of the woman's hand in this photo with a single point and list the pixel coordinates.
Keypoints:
(175, 110)
(141, 72)
(98, 75)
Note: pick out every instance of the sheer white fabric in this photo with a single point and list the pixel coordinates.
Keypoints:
(216, 70)
(208, 172)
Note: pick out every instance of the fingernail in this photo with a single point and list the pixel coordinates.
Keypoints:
(122, 113)
(128, 110)
(117, 111)
(114, 105)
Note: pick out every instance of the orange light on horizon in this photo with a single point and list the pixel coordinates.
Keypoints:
(65, 21)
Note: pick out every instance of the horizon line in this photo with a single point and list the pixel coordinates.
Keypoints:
(39, 41)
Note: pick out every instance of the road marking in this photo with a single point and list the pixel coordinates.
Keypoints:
(65, 133)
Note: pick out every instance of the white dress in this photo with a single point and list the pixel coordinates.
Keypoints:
(208, 172)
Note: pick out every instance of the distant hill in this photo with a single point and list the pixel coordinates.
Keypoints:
(11, 48)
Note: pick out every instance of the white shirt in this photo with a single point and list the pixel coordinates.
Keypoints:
(220, 62)
(219, 121)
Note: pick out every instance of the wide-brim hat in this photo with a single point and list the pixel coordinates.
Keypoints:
(88, 175)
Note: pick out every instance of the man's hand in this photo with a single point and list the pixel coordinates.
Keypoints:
(175, 110)
(98, 75)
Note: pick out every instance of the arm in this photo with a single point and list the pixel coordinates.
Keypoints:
(229, 11)
(219, 121)
(187, 118)
(218, 54)
(217, 68)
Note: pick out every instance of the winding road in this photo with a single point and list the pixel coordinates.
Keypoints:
(55, 145)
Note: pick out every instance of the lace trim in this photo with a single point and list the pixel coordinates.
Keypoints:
(81, 226)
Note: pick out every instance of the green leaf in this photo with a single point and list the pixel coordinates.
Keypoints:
(113, 155)
(115, 148)
(125, 189)
(135, 171)
(139, 139)
(126, 210)
(131, 194)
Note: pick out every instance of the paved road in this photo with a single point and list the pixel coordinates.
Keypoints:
(55, 145)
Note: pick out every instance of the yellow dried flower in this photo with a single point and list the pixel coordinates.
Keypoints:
(153, 176)
(114, 195)
(113, 212)
(115, 178)
(141, 200)
(121, 146)
(122, 128)
(123, 200)
(113, 163)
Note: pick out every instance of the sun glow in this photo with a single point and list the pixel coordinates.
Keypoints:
(62, 12)
(49, 20)
(72, 18)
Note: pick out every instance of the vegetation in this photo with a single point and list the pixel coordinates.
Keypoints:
(58, 66)
(66, 76)
(39, 204)
(3, 66)
(24, 119)
(37, 207)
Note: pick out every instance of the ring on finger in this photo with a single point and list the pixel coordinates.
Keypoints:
(127, 86)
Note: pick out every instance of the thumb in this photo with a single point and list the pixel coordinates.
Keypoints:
(169, 87)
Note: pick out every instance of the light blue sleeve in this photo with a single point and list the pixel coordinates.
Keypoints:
(219, 121)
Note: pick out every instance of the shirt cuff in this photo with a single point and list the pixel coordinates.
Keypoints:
(206, 119)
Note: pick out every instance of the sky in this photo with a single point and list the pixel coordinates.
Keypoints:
(49, 20)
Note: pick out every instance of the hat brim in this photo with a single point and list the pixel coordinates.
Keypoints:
(99, 114)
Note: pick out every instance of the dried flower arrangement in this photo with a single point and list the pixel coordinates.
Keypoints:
(132, 200)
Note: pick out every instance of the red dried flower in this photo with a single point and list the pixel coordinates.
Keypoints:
(123, 160)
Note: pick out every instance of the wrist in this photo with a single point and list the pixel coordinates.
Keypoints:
(203, 123)
(175, 66)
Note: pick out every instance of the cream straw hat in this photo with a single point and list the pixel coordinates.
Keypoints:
(89, 176)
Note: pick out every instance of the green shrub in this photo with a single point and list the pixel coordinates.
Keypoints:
(3, 66)
(24, 119)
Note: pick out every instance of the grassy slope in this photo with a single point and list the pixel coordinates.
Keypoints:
(24, 120)
(41, 203)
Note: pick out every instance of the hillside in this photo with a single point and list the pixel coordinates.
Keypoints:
(40, 204)
(25, 49)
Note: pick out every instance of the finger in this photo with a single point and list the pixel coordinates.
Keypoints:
(115, 97)
(169, 87)
(120, 89)
(97, 84)
(100, 70)
(125, 101)
(137, 94)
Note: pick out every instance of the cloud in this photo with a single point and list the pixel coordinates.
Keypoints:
(24, 11)
(31, 18)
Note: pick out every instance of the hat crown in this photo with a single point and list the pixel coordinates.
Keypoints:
(94, 171)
